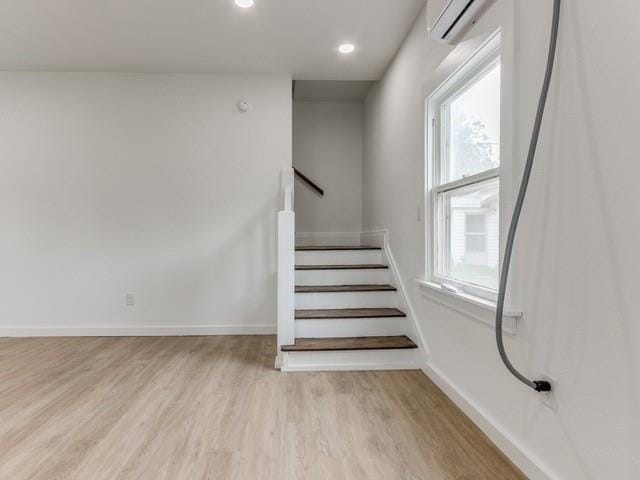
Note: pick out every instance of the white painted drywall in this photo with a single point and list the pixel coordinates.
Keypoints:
(327, 148)
(576, 273)
(150, 184)
(331, 91)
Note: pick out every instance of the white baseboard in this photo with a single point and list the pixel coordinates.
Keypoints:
(138, 331)
(278, 362)
(380, 238)
(375, 238)
(327, 238)
(520, 457)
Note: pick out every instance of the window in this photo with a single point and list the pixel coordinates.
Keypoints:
(475, 233)
(463, 176)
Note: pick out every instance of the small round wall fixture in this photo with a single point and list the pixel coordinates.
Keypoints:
(244, 106)
(244, 3)
(346, 48)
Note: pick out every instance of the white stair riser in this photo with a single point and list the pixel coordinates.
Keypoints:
(342, 277)
(351, 327)
(346, 300)
(336, 257)
(401, 359)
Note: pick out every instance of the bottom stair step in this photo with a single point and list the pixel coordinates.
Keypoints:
(349, 343)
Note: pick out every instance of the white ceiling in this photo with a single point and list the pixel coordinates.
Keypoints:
(296, 36)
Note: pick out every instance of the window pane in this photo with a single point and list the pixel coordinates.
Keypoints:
(475, 223)
(476, 243)
(473, 130)
(467, 243)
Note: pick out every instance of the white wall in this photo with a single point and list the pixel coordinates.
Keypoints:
(327, 148)
(577, 257)
(150, 184)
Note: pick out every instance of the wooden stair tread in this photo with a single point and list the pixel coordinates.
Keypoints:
(371, 266)
(321, 248)
(344, 288)
(320, 314)
(349, 343)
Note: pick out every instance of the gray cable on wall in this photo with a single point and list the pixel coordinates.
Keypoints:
(537, 385)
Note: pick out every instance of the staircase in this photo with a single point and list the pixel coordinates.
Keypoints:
(347, 314)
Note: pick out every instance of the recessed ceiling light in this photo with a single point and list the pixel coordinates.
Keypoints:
(346, 48)
(244, 3)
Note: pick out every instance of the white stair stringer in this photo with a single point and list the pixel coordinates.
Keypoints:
(380, 238)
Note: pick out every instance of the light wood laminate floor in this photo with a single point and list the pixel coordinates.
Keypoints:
(213, 407)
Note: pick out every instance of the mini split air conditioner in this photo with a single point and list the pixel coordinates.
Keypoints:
(456, 17)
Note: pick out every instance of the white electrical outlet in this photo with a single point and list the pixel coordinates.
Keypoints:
(130, 299)
(550, 399)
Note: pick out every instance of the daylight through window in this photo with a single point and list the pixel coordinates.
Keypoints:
(465, 123)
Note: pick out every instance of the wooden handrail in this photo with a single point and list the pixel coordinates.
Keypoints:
(308, 181)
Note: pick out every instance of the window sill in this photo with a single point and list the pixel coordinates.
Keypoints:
(471, 306)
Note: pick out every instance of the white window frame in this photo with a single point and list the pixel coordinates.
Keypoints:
(482, 61)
